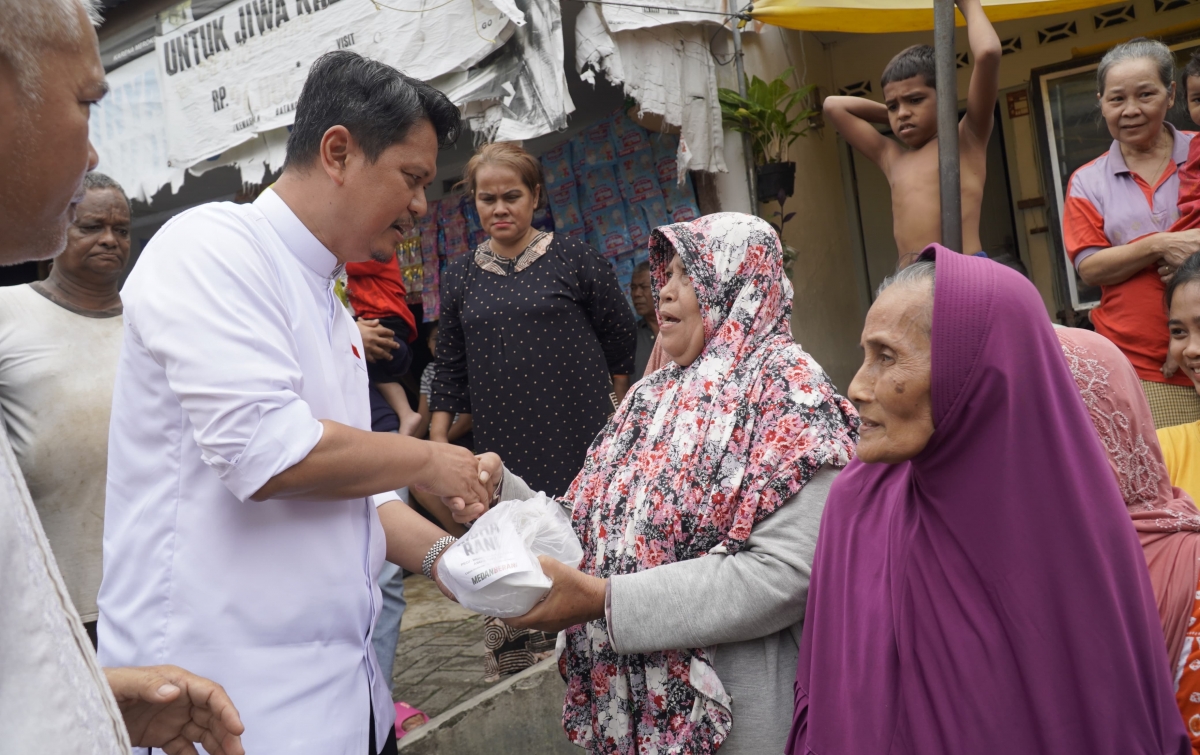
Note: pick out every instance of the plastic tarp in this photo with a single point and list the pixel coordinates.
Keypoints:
(521, 92)
(667, 67)
(883, 16)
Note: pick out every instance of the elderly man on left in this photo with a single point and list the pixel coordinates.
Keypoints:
(54, 697)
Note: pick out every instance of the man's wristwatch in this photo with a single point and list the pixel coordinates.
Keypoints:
(432, 556)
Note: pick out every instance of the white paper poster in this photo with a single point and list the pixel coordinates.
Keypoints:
(237, 72)
(129, 134)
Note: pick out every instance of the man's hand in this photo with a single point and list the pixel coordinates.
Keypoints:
(491, 474)
(377, 340)
(573, 599)
(169, 708)
(453, 472)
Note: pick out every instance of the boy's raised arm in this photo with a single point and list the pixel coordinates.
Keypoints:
(985, 77)
(852, 117)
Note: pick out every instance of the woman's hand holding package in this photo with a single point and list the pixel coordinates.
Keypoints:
(574, 598)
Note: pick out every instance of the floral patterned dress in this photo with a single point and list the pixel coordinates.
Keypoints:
(691, 462)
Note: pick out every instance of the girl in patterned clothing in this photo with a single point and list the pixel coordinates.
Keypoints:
(697, 509)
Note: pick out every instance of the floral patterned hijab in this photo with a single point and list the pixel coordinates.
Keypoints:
(1166, 520)
(694, 458)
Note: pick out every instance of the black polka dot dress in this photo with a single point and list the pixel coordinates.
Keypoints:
(530, 354)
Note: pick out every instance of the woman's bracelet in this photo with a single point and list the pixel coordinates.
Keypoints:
(432, 556)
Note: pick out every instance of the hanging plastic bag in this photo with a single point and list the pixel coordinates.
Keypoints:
(494, 570)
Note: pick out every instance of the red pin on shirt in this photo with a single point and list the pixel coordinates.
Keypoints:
(355, 350)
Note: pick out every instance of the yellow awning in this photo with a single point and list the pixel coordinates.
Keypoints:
(882, 16)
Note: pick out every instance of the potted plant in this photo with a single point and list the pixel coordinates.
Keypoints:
(774, 116)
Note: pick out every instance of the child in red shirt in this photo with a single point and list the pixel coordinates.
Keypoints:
(1189, 174)
(376, 292)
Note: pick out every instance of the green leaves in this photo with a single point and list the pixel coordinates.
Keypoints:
(766, 114)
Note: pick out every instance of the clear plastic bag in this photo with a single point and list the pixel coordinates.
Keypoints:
(494, 570)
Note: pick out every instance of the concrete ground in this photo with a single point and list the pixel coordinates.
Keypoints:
(439, 659)
(439, 670)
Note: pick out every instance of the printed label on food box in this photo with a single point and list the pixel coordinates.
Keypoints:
(487, 552)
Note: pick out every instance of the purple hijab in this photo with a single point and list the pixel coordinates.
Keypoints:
(987, 596)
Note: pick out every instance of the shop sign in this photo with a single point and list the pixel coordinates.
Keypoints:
(238, 71)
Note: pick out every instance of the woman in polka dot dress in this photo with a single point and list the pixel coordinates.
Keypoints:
(536, 344)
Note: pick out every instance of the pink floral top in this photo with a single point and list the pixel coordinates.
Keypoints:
(691, 462)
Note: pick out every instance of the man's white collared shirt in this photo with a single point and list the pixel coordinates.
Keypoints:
(235, 346)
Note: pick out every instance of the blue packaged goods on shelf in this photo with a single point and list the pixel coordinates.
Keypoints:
(600, 189)
(597, 144)
(624, 271)
(627, 136)
(684, 213)
(667, 170)
(564, 204)
(558, 165)
(664, 145)
(656, 212)
(681, 202)
(610, 232)
(639, 176)
(577, 152)
(639, 229)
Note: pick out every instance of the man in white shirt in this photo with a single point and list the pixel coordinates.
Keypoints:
(241, 540)
(54, 697)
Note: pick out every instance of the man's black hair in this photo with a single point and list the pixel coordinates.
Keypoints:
(917, 60)
(1188, 272)
(377, 104)
(1192, 69)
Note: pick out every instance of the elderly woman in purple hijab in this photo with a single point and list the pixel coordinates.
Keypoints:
(977, 587)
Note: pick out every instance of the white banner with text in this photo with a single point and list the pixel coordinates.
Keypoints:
(238, 71)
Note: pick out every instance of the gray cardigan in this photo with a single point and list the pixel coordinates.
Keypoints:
(747, 609)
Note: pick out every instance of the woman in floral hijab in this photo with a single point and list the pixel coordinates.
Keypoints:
(697, 509)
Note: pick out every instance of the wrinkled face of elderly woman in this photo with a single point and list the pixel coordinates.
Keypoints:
(891, 389)
(1135, 101)
(681, 326)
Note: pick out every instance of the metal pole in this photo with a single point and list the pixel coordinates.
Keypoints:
(947, 118)
(747, 146)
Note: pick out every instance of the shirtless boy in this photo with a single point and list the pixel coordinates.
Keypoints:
(910, 108)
